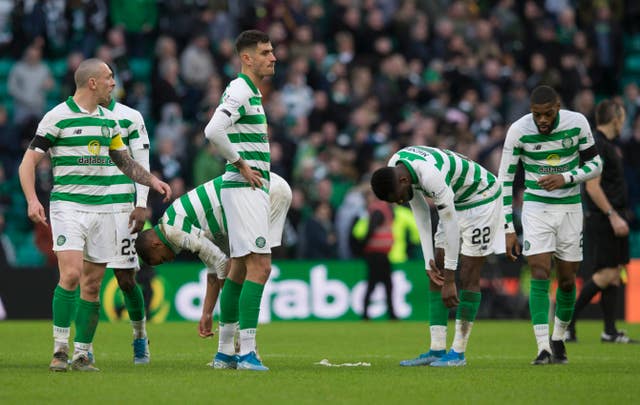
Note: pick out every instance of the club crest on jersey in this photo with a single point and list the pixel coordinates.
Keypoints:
(105, 131)
(94, 147)
(567, 143)
(260, 242)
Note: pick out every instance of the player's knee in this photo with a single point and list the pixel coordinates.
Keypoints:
(126, 280)
(567, 284)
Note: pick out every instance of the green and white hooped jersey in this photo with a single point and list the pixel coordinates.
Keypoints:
(242, 101)
(134, 135)
(434, 170)
(200, 209)
(82, 169)
(555, 153)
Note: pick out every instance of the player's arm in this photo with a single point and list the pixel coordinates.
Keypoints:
(214, 285)
(229, 111)
(511, 152)
(132, 169)
(139, 145)
(45, 136)
(196, 242)
(591, 162)
(421, 212)
(595, 191)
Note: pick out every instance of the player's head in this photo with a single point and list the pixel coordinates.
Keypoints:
(392, 184)
(151, 249)
(545, 105)
(256, 53)
(96, 76)
(610, 114)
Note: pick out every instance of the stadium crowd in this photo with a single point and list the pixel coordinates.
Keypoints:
(355, 81)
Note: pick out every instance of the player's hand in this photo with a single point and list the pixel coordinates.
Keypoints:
(162, 188)
(450, 293)
(619, 225)
(253, 176)
(205, 325)
(35, 210)
(513, 246)
(551, 181)
(137, 218)
(435, 274)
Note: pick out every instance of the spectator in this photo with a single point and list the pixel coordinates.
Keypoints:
(317, 235)
(29, 81)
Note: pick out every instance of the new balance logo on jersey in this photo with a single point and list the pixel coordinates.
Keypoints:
(538, 147)
(77, 131)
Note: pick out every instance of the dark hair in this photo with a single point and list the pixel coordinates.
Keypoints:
(250, 39)
(383, 182)
(543, 95)
(143, 244)
(607, 111)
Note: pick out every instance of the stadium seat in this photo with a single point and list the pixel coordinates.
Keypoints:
(632, 63)
(5, 68)
(58, 68)
(141, 69)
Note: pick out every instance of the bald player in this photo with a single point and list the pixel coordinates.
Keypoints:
(84, 142)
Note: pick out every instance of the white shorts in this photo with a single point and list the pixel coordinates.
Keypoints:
(280, 197)
(93, 233)
(127, 257)
(247, 213)
(552, 232)
(481, 230)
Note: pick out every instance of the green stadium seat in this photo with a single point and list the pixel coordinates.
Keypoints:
(141, 69)
(632, 63)
(5, 67)
(58, 67)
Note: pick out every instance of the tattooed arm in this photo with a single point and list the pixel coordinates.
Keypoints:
(137, 173)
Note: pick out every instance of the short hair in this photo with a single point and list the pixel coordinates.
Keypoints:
(383, 182)
(144, 243)
(87, 69)
(250, 39)
(607, 111)
(544, 95)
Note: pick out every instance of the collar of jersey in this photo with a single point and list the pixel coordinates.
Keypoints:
(164, 240)
(414, 176)
(557, 121)
(71, 103)
(249, 82)
(112, 104)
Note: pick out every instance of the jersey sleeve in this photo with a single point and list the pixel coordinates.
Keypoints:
(511, 152)
(138, 136)
(592, 163)
(234, 100)
(116, 138)
(421, 213)
(47, 131)
(434, 185)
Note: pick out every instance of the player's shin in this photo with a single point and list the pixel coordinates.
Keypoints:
(465, 315)
(86, 325)
(229, 315)
(64, 309)
(134, 301)
(250, 310)
(565, 301)
(438, 314)
(539, 308)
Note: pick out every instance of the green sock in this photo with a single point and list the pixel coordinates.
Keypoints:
(134, 301)
(469, 304)
(539, 301)
(250, 304)
(565, 301)
(438, 312)
(64, 306)
(87, 321)
(229, 302)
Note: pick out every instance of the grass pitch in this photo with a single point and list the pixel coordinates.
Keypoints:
(498, 369)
